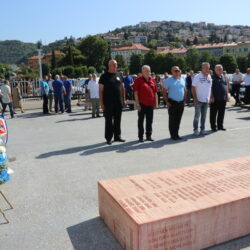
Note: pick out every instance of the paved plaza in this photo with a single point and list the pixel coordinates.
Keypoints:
(60, 158)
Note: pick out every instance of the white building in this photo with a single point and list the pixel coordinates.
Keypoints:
(127, 50)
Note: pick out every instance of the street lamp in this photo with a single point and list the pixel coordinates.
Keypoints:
(39, 49)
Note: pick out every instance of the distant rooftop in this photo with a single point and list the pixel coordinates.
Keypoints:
(133, 46)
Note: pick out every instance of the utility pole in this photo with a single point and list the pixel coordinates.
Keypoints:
(39, 49)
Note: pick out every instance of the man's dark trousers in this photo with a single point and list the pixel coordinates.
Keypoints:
(217, 109)
(67, 103)
(45, 104)
(113, 114)
(236, 92)
(175, 113)
(147, 111)
(59, 99)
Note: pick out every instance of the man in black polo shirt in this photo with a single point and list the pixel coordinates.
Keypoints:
(112, 99)
(219, 98)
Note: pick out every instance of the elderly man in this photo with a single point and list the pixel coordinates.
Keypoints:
(237, 79)
(201, 90)
(219, 98)
(145, 92)
(93, 87)
(59, 90)
(174, 93)
(112, 99)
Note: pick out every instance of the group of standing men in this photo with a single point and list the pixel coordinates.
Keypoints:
(205, 89)
(59, 90)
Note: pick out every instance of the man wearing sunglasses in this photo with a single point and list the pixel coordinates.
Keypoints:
(174, 93)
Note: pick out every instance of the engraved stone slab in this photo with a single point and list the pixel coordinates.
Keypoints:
(188, 208)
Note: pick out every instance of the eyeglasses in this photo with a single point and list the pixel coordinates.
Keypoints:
(176, 71)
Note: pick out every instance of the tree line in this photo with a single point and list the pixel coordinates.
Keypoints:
(161, 63)
(90, 56)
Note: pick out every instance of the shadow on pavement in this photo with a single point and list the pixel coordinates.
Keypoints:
(236, 244)
(73, 120)
(31, 115)
(244, 118)
(92, 235)
(117, 147)
(69, 150)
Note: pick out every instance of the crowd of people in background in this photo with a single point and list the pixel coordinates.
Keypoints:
(11, 98)
(59, 91)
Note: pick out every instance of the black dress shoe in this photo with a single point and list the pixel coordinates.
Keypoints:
(119, 140)
(178, 137)
(214, 129)
(223, 129)
(141, 140)
(149, 139)
(174, 138)
(109, 142)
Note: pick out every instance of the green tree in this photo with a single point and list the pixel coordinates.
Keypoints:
(5, 70)
(188, 42)
(79, 60)
(229, 63)
(96, 51)
(69, 71)
(158, 64)
(213, 62)
(45, 68)
(213, 38)
(84, 71)
(195, 42)
(70, 56)
(205, 56)
(248, 61)
(152, 44)
(91, 70)
(53, 60)
(120, 62)
(170, 60)
(181, 62)
(78, 72)
(242, 63)
(57, 71)
(150, 59)
(193, 59)
(136, 62)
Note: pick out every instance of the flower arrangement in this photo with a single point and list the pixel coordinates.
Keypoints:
(4, 163)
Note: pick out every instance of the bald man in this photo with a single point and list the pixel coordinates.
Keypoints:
(112, 99)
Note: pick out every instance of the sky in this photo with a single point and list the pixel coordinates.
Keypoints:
(50, 20)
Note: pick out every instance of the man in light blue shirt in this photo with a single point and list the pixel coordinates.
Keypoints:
(45, 91)
(174, 93)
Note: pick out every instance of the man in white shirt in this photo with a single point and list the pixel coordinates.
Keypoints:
(237, 79)
(201, 90)
(7, 98)
(93, 87)
(247, 85)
